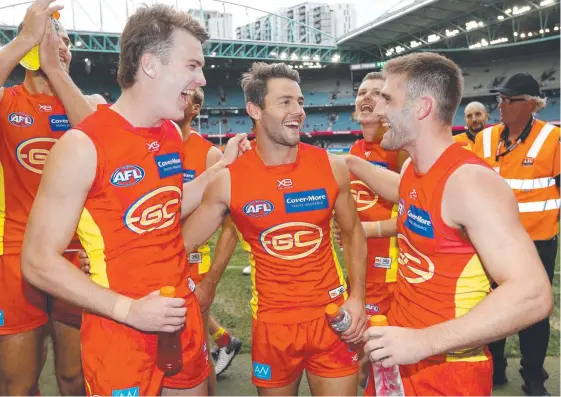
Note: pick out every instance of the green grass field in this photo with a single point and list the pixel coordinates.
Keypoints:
(231, 305)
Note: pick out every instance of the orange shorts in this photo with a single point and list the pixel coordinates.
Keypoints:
(432, 378)
(119, 360)
(280, 352)
(24, 307)
(379, 303)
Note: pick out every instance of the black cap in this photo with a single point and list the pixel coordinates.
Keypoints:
(519, 84)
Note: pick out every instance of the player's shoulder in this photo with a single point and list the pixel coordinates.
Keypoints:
(96, 99)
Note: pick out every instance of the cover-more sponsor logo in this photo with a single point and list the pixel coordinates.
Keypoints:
(258, 208)
(364, 197)
(19, 119)
(158, 209)
(127, 175)
(59, 123)
(419, 222)
(292, 240)
(414, 266)
(32, 153)
(188, 175)
(309, 200)
(169, 164)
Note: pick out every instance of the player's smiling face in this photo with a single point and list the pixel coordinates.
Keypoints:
(283, 114)
(367, 97)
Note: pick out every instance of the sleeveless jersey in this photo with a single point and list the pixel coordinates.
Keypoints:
(382, 252)
(130, 225)
(29, 127)
(440, 275)
(284, 214)
(195, 151)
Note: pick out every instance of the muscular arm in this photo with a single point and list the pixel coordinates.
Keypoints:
(67, 178)
(386, 228)
(352, 233)
(382, 181)
(225, 247)
(480, 202)
(202, 224)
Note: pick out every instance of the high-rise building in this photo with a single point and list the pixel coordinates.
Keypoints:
(334, 20)
(218, 24)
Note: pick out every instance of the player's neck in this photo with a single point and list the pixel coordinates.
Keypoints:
(274, 154)
(37, 84)
(186, 128)
(138, 112)
(428, 147)
(372, 132)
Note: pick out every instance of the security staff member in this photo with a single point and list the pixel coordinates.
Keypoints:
(476, 117)
(525, 152)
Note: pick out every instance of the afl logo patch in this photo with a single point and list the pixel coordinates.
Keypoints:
(127, 175)
(20, 120)
(258, 208)
(401, 207)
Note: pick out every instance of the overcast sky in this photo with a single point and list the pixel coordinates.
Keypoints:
(91, 15)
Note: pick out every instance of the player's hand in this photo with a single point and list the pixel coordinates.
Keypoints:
(84, 261)
(155, 313)
(205, 292)
(48, 50)
(355, 333)
(36, 18)
(395, 345)
(236, 146)
(336, 230)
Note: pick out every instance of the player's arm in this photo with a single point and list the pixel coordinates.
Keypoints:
(385, 228)
(483, 204)
(380, 180)
(67, 178)
(77, 105)
(201, 224)
(225, 247)
(354, 241)
(193, 191)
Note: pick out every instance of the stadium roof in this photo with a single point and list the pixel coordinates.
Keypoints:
(423, 22)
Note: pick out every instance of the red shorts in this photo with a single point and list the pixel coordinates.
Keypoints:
(280, 352)
(24, 307)
(432, 378)
(120, 360)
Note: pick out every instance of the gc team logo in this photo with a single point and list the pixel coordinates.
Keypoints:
(20, 119)
(32, 153)
(292, 240)
(363, 196)
(158, 209)
(414, 266)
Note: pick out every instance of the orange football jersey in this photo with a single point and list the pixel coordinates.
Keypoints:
(382, 252)
(130, 225)
(29, 127)
(284, 214)
(440, 275)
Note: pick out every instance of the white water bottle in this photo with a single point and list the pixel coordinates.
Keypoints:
(387, 381)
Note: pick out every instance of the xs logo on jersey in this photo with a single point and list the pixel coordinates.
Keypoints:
(153, 146)
(127, 175)
(258, 208)
(414, 266)
(45, 108)
(20, 120)
(32, 154)
(363, 196)
(158, 209)
(284, 184)
(292, 240)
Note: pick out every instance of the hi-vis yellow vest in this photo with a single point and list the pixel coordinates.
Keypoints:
(530, 170)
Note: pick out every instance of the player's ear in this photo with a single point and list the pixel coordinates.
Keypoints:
(148, 64)
(253, 110)
(423, 107)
